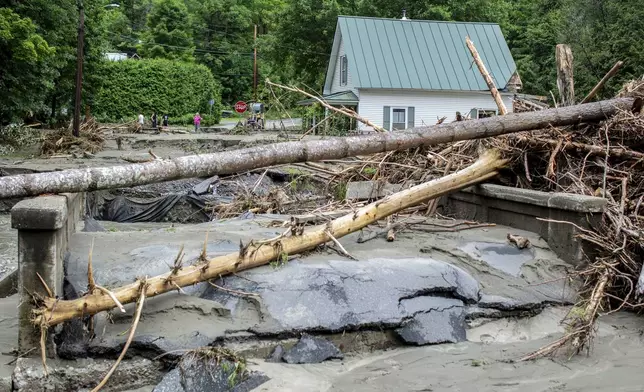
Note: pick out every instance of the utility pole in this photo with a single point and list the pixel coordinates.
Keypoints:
(255, 65)
(79, 68)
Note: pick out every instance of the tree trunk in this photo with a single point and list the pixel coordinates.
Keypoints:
(228, 162)
(565, 80)
(486, 76)
(603, 81)
(55, 311)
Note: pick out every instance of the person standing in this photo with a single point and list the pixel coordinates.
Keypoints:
(141, 122)
(154, 120)
(197, 120)
(165, 120)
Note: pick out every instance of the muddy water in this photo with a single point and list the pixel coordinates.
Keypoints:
(615, 365)
(505, 257)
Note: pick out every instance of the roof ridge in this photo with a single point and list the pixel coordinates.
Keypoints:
(416, 20)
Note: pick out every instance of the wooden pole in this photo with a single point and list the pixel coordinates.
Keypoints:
(255, 65)
(79, 69)
(55, 311)
(565, 79)
(229, 162)
(486, 76)
(602, 82)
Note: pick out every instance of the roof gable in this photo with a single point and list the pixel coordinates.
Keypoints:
(419, 54)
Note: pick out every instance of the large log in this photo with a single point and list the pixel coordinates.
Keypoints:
(55, 311)
(227, 162)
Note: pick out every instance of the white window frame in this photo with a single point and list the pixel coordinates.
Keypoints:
(391, 116)
(344, 71)
(478, 110)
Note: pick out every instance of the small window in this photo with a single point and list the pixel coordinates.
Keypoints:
(483, 113)
(398, 119)
(343, 70)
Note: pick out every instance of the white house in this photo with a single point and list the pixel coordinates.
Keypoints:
(401, 73)
(116, 56)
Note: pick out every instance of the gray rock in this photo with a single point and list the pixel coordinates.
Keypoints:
(171, 382)
(446, 325)
(363, 190)
(276, 354)
(299, 296)
(311, 349)
(202, 376)
(204, 186)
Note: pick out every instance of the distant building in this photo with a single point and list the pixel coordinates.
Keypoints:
(401, 73)
(116, 56)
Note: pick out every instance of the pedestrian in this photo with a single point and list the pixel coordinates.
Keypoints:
(165, 120)
(197, 122)
(141, 122)
(154, 120)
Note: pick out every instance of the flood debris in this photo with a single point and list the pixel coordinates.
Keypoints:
(520, 242)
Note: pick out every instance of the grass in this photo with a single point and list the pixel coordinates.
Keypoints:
(281, 261)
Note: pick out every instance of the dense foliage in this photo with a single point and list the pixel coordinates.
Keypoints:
(167, 87)
(294, 41)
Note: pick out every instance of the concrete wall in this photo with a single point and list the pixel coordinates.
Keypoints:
(428, 105)
(45, 224)
(520, 208)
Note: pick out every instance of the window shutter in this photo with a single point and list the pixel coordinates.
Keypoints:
(410, 117)
(386, 119)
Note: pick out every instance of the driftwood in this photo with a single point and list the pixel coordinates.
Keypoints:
(602, 82)
(52, 311)
(228, 162)
(565, 79)
(486, 76)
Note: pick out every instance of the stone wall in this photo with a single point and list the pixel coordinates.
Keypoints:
(45, 224)
(520, 208)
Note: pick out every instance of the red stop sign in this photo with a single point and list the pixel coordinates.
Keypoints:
(240, 107)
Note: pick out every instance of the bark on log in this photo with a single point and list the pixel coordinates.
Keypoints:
(54, 311)
(486, 76)
(228, 162)
(565, 79)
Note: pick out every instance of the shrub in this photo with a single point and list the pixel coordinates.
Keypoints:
(131, 87)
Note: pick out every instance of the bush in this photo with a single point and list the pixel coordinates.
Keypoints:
(131, 87)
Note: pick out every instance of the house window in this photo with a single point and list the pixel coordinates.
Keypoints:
(343, 70)
(484, 113)
(398, 119)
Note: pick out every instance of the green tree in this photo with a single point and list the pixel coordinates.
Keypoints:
(601, 32)
(168, 32)
(23, 71)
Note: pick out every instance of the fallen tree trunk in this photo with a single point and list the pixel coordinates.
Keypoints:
(486, 76)
(53, 311)
(227, 162)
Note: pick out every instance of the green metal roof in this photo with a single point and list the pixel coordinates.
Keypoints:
(422, 54)
(343, 98)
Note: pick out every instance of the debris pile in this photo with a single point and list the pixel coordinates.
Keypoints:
(61, 141)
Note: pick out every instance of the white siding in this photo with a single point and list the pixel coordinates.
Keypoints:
(335, 83)
(429, 105)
